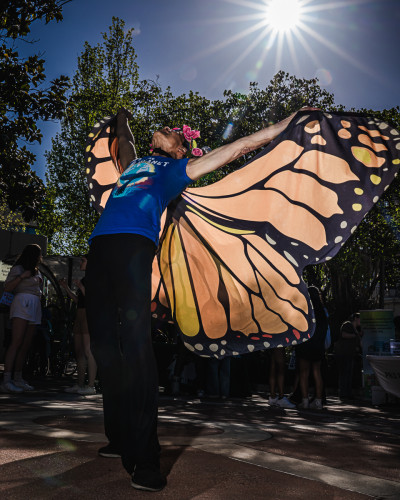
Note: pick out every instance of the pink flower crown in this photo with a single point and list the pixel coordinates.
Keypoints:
(190, 137)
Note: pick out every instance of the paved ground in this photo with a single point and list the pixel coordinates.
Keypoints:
(238, 449)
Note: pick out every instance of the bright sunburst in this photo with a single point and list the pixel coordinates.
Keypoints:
(276, 27)
(283, 15)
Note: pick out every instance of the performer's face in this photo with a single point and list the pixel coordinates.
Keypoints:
(170, 141)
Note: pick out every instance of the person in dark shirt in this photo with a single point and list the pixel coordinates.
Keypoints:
(310, 353)
(84, 356)
(346, 348)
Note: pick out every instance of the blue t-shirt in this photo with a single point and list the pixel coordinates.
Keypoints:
(140, 196)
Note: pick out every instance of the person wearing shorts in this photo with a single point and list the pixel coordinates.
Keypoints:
(25, 282)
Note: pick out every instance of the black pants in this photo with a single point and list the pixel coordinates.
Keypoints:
(118, 295)
(345, 365)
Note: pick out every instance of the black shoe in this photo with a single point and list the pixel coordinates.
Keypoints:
(109, 451)
(148, 478)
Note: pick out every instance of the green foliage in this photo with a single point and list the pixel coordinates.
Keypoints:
(103, 82)
(18, 15)
(10, 220)
(24, 100)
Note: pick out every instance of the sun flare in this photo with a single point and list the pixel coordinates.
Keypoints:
(283, 15)
(279, 28)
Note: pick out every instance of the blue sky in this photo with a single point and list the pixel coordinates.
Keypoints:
(211, 45)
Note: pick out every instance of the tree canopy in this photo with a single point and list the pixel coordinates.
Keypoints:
(25, 99)
(103, 82)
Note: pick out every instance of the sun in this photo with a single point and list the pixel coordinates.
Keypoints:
(283, 15)
(283, 27)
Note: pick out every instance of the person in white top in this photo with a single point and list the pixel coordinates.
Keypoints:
(25, 282)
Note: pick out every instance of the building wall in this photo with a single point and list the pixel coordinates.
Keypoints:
(12, 243)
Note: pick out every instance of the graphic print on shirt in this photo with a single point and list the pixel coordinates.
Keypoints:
(137, 176)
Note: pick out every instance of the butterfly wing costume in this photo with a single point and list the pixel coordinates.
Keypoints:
(228, 270)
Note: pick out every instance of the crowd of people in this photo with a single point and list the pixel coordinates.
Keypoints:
(187, 372)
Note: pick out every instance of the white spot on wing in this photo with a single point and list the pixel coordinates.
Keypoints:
(302, 119)
(290, 258)
(270, 240)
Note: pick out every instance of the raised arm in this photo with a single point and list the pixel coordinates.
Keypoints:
(126, 141)
(197, 167)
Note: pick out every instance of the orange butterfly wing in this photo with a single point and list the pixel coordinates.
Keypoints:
(103, 167)
(233, 253)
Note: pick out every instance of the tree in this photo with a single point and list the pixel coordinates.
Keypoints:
(103, 82)
(106, 79)
(24, 101)
(10, 220)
